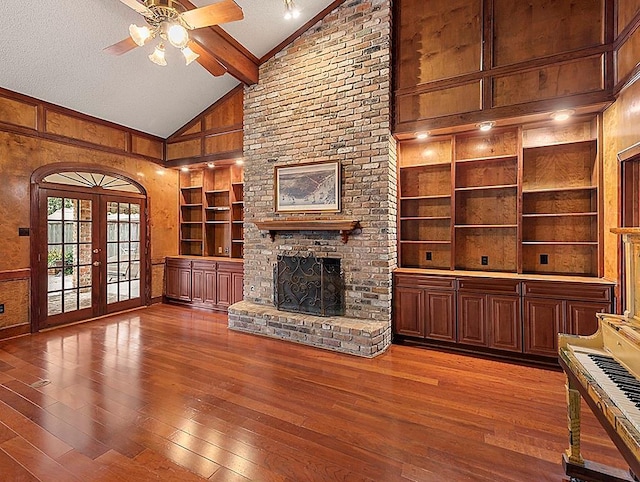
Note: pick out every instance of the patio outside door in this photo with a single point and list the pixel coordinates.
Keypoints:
(92, 255)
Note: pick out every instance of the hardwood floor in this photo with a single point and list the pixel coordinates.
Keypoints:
(166, 393)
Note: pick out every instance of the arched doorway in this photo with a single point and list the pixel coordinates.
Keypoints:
(89, 245)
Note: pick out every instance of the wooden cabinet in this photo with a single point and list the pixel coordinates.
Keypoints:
(508, 315)
(204, 283)
(178, 279)
(518, 199)
(424, 307)
(556, 307)
(489, 313)
(211, 211)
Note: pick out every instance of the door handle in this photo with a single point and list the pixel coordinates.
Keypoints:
(96, 263)
(96, 251)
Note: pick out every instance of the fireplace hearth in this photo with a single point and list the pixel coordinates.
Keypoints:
(306, 284)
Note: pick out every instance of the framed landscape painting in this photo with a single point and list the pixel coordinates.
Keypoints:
(310, 187)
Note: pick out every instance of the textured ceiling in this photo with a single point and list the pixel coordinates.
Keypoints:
(52, 50)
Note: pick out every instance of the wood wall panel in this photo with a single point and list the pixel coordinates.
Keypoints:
(228, 113)
(223, 143)
(181, 150)
(454, 100)
(628, 56)
(15, 296)
(526, 30)
(559, 80)
(491, 144)
(147, 147)
(75, 128)
(157, 275)
(18, 113)
(438, 42)
(627, 9)
(197, 127)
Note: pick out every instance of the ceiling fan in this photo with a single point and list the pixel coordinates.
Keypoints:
(171, 21)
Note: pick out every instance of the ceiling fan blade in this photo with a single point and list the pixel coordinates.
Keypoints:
(221, 12)
(121, 47)
(138, 7)
(207, 60)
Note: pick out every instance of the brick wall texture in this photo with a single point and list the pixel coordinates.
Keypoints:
(326, 97)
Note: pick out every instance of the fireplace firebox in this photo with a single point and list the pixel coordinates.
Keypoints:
(306, 284)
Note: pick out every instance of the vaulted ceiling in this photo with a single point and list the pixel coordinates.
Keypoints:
(53, 50)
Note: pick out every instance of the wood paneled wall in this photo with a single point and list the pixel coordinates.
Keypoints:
(466, 61)
(621, 131)
(35, 133)
(214, 135)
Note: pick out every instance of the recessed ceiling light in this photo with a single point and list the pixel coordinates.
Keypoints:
(239, 162)
(422, 135)
(211, 165)
(562, 115)
(184, 169)
(485, 126)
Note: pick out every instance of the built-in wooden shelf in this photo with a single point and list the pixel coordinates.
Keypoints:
(345, 226)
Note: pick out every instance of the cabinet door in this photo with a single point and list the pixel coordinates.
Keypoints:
(237, 282)
(184, 284)
(505, 322)
(581, 316)
(209, 287)
(197, 285)
(472, 320)
(440, 315)
(172, 277)
(224, 288)
(408, 311)
(543, 320)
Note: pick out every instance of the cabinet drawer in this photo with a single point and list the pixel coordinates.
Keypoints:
(226, 266)
(489, 285)
(567, 290)
(178, 263)
(421, 281)
(204, 265)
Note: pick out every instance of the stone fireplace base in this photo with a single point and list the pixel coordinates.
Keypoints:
(338, 333)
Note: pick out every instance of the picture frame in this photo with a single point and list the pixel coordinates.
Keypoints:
(307, 188)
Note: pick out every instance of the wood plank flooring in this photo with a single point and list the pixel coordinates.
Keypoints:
(167, 393)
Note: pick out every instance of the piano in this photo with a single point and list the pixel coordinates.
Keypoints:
(604, 369)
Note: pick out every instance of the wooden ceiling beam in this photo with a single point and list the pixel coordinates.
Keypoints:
(236, 60)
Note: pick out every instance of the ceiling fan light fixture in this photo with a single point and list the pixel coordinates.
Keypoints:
(189, 55)
(139, 34)
(178, 36)
(157, 57)
(290, 10)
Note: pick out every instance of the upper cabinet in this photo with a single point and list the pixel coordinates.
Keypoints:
(465, 61)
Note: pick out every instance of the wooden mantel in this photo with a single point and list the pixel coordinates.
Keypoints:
(345, 226)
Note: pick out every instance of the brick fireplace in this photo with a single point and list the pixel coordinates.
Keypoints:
(325, 97)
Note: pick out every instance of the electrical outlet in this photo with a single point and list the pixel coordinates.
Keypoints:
(429, 256)
(484, 260)
(23, 231)
(226, 250)
(544, 259)
(1, 308)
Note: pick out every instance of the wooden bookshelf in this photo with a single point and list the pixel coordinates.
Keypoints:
(211, 211)
(522, 199)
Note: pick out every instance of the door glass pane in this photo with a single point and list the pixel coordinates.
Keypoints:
(85, 298)
(66, 254)
(123, 220)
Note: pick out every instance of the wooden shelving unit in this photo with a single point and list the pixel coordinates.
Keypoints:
(425, 204)
(522, 199)
(211, 213)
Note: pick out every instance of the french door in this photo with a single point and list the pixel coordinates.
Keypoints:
(91, 254)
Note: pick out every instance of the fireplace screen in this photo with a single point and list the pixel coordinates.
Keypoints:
(306, 284)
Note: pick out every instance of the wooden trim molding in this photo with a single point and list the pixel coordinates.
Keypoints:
(15, 274)
(14, 331)
(187, 161)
